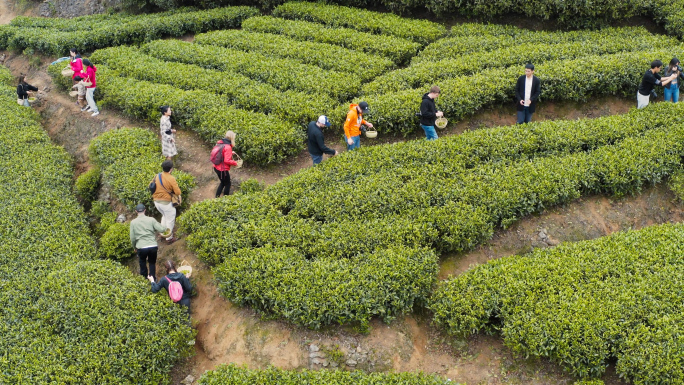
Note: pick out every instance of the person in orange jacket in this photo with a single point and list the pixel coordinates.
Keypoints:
(352, 126)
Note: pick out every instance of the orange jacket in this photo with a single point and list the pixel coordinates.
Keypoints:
(352, 126)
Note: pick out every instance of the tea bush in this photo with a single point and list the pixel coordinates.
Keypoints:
(427, 72)
(262, 139)
(397, 49)
(676, 184)
(582, 304)
(87, 185)
(420, 31)
(330, 57)
(119, 32)
(115, 243)
(375, 213)
(67, 318)
(471, 37)
(235, 375)
(284, 74)
(240, 91)
(577, 80)
(129, 159)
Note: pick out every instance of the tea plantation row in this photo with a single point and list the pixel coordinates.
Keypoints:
(426, 72)
(341, 243)
(576, 79)
(263, 139)
(582, 304)
(66, 317)
(234, 375)
(117, 30)
(239, 90)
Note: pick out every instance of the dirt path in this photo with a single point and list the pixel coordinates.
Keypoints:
(229, 334)
(6, 12)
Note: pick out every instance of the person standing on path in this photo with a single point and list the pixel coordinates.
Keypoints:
(314, 141)
(352, 126)
(650, 79)
(527, 91)
(23, 90)
(165, 186)
(90, 70)
(143, 233)
(671, 91)
(172, 275)
(222, 159)
(429, 113)
(168, 141)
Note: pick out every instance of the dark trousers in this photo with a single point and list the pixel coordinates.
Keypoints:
(145, 256)
(524, 116)
(224, 186)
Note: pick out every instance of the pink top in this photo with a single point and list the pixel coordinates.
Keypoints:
(90, 74)
(77, 67)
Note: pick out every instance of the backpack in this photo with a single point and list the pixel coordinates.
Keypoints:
(153, 185)
(175, 290)
(217, 154)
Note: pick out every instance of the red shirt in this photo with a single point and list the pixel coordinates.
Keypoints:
(77, 67)
(90, 74)
(227, 158)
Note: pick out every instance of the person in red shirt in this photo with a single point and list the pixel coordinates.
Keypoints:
(89, 70)
(222, 169)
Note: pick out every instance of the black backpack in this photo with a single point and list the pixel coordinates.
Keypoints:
(153, 185)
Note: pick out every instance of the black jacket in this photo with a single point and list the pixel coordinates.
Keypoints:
(314, 141)
(22, 90)
(520, 92)
(428, 111)
(180, 277)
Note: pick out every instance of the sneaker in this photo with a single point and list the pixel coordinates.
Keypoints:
(171, 240)
(96, 113)
(86, 108)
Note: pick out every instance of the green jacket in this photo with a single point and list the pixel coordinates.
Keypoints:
(144, 230)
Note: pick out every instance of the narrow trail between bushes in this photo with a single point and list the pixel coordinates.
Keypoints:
(231, 334)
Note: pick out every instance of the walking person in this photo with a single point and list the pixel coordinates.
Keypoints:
(671, 91)
(168, 141)
(352, 126)
(89, 70)
(429, 113)
(650, 79)
(167, 196)
(222, 159)
(23, 90)
(172, 276)
(143, 238)
(314, 141)
(527, 91)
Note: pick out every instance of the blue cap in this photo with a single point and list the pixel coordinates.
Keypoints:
(324, 120)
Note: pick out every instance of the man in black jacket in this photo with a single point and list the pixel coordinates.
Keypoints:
(527, 91)
(314, 140)
(429, 113)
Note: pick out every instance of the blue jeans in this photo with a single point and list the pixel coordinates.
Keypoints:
(317, 159)
(356, 142)
(524, 116)
(26, 103)
(671, 94)
(430, 133)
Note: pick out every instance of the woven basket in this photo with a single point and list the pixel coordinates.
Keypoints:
(371, 134)
(32, 99)
(68, 72)
(441, 122)
(73, 94)
(185, 268)
(238, 160)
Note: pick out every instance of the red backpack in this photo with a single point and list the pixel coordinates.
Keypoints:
(175, 290)
(217, 154)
